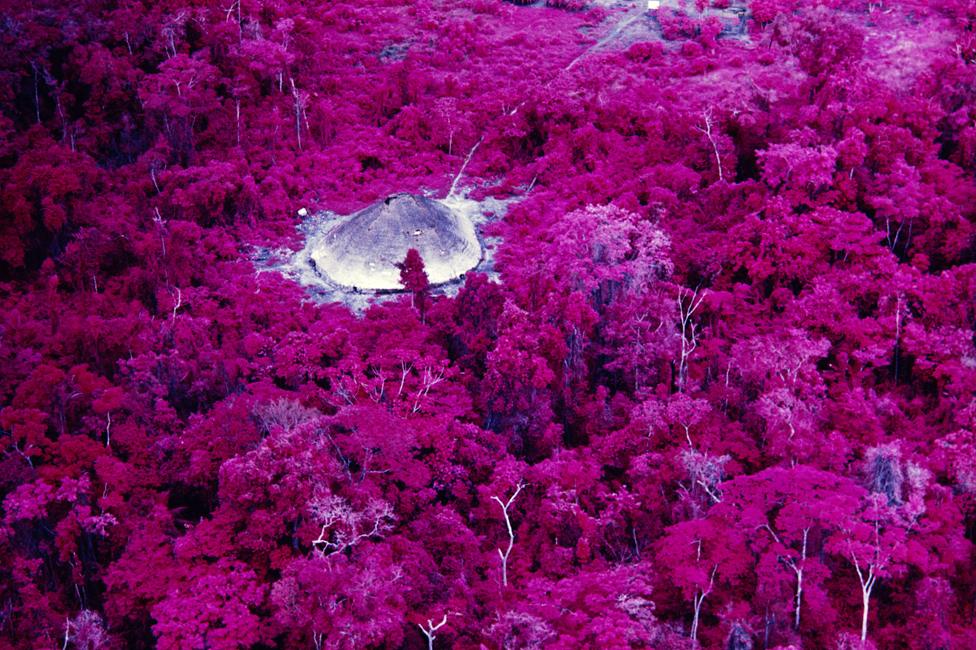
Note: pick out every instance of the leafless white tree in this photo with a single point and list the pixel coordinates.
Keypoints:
(697, 601)
(301, 103)
(688, 303)
(343, 527)
(511, 534)
(708, 124)
(429, 379)
(796, 565)
(285, 413)
(430, 629)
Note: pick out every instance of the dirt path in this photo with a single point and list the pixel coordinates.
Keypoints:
(614, 33)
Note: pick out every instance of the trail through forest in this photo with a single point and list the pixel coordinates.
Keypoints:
(615, 30)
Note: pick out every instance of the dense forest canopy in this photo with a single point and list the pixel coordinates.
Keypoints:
(717, 390)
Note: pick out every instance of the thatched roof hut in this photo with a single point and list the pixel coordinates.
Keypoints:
(364, 250)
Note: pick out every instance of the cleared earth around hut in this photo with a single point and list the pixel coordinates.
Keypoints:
(363, 251)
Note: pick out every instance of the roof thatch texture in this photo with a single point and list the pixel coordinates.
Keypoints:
(364, 251)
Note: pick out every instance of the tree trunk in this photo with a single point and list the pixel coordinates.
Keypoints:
(866, 598)
(799, 597)
(694, 622)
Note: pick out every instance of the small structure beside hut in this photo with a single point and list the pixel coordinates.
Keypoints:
(363, 252)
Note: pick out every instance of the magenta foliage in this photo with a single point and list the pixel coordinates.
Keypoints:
(713, 386)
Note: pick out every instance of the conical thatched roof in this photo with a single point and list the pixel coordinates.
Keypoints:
(364, 250)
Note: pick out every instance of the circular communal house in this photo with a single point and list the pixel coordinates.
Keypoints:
(363, 252)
